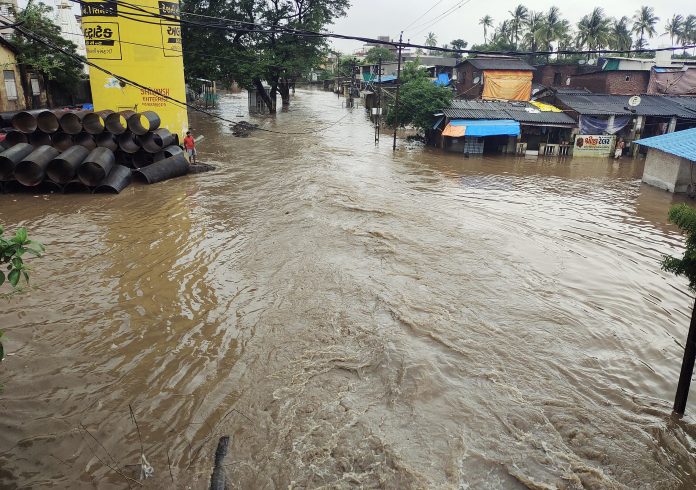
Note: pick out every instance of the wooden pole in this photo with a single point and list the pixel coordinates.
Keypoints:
(687, 369)
(398, 86)
(379, 100)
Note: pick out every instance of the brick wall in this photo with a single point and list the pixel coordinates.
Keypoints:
(554, 75)
(621, 82)
(466, 74)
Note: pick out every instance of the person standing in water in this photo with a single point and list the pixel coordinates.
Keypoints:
(619, 149)
(190, 147)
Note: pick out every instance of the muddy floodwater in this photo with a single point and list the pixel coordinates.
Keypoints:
(350, 317)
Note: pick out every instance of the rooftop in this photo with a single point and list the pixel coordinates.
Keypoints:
(499, 63)
(680, 143)
(617, 105)
(522, 112)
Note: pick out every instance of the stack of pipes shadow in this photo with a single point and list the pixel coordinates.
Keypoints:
(86, 151)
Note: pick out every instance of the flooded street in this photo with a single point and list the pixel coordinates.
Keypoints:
(350, 317)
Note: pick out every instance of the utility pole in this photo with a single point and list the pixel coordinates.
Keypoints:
(379, 101)
(398, 86)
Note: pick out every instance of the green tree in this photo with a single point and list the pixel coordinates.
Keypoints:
(620, 38)
(519, 16)
(431, 39)
(594, 30)
(374, 54)
(487, 22)
(644, 21)
(60, 68)
(685, 218)
(688, 32)
(674, 27)
(553, 28)
(420, 99)
(274, 54)
(459, 44)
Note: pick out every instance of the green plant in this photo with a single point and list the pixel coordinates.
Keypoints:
(12, 251)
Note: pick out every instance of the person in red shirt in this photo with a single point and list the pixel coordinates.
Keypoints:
(190, 147)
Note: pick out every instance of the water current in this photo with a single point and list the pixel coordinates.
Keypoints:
(350, 317)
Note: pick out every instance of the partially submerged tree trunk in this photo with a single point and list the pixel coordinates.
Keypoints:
(264, 95)
(284, 89)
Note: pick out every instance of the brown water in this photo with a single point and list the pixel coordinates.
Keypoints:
(350, 317)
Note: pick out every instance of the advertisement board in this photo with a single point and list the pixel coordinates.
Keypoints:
(128, 42)
(593, 145)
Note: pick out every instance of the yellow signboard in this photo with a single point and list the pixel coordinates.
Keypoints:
(127, 41)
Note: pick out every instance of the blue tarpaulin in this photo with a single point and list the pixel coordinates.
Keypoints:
(488, 127)
(442, 80)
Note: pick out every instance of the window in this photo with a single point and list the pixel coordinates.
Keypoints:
(35, 87)
(10, 84)
(628, 78)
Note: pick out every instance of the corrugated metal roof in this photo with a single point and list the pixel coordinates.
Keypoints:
(617, 105)
(522, 112)
(681, 143)
(684, 101)
(499, 64)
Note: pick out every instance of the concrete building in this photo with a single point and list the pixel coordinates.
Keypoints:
(70, 28)
(670, 160)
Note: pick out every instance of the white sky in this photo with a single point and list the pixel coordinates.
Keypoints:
(372, 18)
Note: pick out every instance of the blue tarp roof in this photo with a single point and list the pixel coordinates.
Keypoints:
(681, 143)
(385, 79)
(488, 127)
(442, 80)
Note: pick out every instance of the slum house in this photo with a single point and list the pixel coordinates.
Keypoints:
(494, 77)
(670, 160)
(673, 81)
(482, 126)
(611, 117)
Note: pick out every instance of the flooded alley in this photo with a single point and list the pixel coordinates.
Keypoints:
(350, 317)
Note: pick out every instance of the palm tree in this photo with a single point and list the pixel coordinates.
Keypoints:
(431, 39)
(644, 21)
(532, 25)
(594, 30)
(519, 16)
(486, 21)
(552, 29)
(503, 33)
(620, 39)
(674, 27)
(688, 32)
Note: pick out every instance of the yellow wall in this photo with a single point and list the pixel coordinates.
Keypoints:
(8, 61)
(158, 65)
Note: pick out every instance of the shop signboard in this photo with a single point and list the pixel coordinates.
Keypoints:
(123, 39)
(589, 145)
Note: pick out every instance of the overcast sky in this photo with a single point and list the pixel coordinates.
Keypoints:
(372, 18)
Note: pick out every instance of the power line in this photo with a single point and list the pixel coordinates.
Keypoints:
(303, 33)
(443, 16)
(422, 15)
(128, 81)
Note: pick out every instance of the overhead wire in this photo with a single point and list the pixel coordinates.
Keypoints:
(179, 103)
(304, 33)
(443, 16)
(422, 15)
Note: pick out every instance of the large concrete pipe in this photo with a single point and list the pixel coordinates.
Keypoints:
(118, 179)
(143, 122)
(25, 121)
(62, 141)
(15, 137)
(75, 186)
(170, 151)
(39, 138)
(142, 158)
(32, 169)
(124, 159)
(6, 119)
(107, 140)
(86, 140)
(155, 141)
(168, 168)
(117, 122)
(63, 168)
(48, 121)
(70, 123)
(92, 122)
(128, 143)
(10, 158)
(96, 166)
